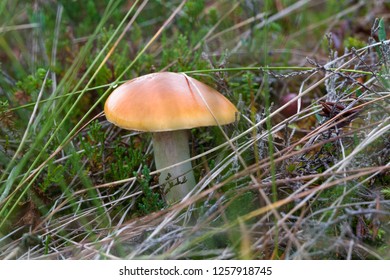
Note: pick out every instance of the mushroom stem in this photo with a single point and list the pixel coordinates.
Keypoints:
(171, 147)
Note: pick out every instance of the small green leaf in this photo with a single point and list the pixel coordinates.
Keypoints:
(382, 30)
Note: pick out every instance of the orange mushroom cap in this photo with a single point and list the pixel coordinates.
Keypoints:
(167, 101)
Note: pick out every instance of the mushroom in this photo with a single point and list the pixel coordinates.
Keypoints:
(292, 108)
(168, 105)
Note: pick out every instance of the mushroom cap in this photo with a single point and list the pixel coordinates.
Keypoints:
(167, 101)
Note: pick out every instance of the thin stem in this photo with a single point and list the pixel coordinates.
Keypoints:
(170, 148)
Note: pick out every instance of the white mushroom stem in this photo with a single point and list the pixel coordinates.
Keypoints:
(170, 148)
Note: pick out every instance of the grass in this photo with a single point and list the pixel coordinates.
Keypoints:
(311, 185)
